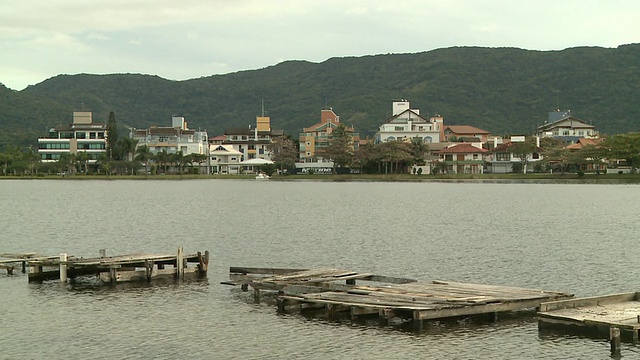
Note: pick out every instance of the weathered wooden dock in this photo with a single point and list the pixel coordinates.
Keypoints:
(594, 315)
(112, 269)
(387, 297)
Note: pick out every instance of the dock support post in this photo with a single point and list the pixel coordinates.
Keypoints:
(493, 317)
(63, 268)
(112, 274)
(418, 324)
(331, 311)
(614, 338)
(256, 296)
(244, 287)
(180, 264)
(281, 302)
(383, 317)
(24, 266)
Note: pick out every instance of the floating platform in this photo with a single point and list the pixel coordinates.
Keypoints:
(594, 315)
(387, 297)
(113, 269)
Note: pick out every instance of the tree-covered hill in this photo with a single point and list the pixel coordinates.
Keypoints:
(503, 90)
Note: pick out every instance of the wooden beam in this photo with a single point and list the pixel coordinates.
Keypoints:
(588, 301)
(266, 271)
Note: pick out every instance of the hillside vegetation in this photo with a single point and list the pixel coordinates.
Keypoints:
(503, 90)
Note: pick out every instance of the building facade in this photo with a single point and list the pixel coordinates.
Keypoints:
(315, 139)
(171, 139)
(82, 135)
(463, 158)
(407, 123)
(561, 124)
(253, 142)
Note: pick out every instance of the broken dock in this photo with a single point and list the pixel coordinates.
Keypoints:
(594, 315)
(387, 297)
(110, 269)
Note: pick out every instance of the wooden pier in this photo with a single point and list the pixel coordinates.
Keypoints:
(112, 269)
(594, 315)
(387, 297)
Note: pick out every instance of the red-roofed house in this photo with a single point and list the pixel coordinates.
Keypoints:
(465, 131)
(463, 158)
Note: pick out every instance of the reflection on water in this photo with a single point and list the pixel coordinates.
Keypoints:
(555, 237)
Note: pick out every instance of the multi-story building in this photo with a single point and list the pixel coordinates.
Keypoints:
(407, 123)
(463, 158)
(82, 135)
(253, 142)
(466, 133)
(561, 124)
(171, 139)
(315, 139)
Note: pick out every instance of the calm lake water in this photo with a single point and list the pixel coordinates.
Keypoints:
(581, 239)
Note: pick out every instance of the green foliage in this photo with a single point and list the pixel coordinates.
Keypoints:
(268, 169)
(503, 90)
(112, 136)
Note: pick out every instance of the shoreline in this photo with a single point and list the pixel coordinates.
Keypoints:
(532, 178)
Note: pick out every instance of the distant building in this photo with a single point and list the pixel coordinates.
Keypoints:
(466, 133)
(253, 141)
(82, 135)
(561, 124)
(316, 138)
(171, 139)
(464, 158)
(407, 123)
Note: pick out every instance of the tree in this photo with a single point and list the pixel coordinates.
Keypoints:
(340, 148)
(162, 158)
(143, 154)
(523, 151)
(624, 146)
(82, 158)
(283, 152)
(112, 136)
(557, 158)
(591, 154)
(418, 148)
(126, 148)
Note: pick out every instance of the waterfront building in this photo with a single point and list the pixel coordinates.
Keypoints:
(463, 158)
(407, 123)
(252, 142)
(315, 139)
(171, 139)
(563, 125)
(465, 133)
(81, 135)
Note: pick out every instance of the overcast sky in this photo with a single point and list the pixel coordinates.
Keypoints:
(184, 39)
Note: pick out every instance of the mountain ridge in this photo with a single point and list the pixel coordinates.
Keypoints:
(502, 90)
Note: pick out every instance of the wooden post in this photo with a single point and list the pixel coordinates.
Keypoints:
(148, 267)
(418, 324)
(614, 338)
(383, 317)
(103, 253)
(24, 266)
(256, 296)
(331, 311)
(63, 268)
(244, 287)
(493, 317)
(112, 273)
(282, 303)
(180, 264)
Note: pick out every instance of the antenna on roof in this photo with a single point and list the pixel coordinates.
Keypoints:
(262, 107)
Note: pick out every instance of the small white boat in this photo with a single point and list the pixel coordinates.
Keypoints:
(262, 176)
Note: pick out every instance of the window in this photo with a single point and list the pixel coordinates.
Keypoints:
(448, 157)
(261, 151)
(475, 156)
(535, 156)
(252, 147)
(100, 135)
(234, 158)
(81, 135)
(92, 135)
(565, 132)
(503, 157)
(399, 128)
(427, 139)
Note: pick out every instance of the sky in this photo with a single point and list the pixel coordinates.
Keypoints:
(187, 39)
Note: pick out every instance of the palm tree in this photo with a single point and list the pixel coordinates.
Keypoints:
(143, 154)
(162, 158)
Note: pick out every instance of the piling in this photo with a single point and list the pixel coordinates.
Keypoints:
(614, 336)
(63, 268)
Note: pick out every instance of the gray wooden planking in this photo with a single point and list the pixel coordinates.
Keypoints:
(425, 300)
